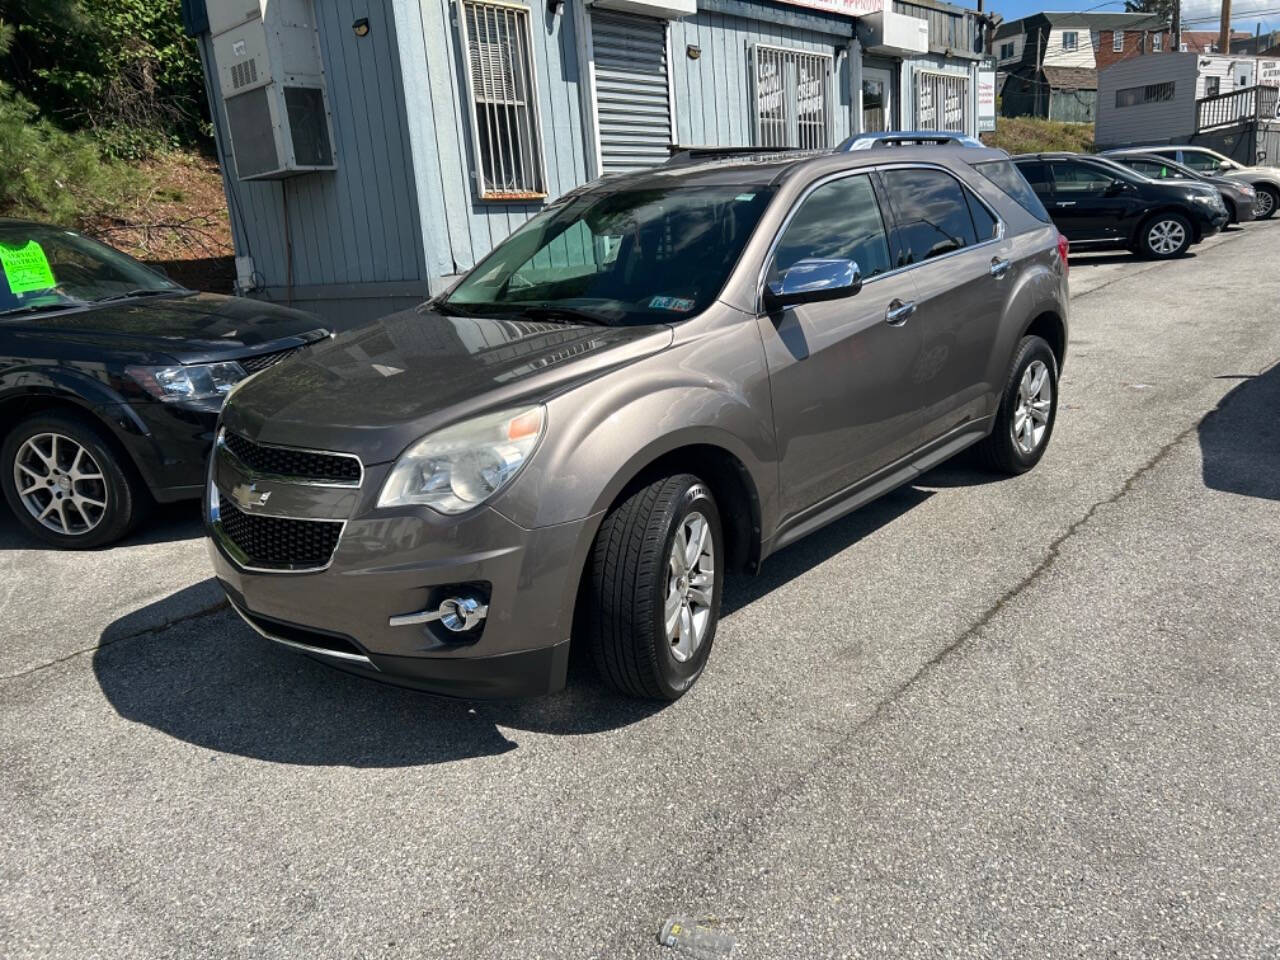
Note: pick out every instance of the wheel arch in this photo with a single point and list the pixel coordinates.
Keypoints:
(1050, 327)
(1197, 233)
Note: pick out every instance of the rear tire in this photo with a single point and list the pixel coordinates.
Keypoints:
(65, 482)
(1027, 412)
(658, 560)
(1165, 236)
(1266, 202)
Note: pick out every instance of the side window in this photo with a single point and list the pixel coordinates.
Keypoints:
(984, 224)
(839, 221)
(1148, 168)
(1200, 161)
(1037, 174)
(1079, 180)
(931, 211)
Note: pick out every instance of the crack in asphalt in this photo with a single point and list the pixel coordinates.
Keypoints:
(147, 631)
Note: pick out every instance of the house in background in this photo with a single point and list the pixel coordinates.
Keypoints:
(373, 150)
(1048, 62)
(1206, 41)
(1260, 45)
(1231, 104)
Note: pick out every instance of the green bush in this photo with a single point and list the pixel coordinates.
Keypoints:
(51, 175)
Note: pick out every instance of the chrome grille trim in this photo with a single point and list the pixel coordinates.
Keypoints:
(305, 648)
(221, 448)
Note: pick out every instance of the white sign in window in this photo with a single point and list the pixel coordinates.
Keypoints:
(792, 97)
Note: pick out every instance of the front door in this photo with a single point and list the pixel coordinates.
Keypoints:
(844, 404)
(877, 105)
(1089, 203)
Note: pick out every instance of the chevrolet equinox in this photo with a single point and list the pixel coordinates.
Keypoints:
(661, 378)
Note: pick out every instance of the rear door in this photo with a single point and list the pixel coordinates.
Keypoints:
(962, 265)
(844, 401)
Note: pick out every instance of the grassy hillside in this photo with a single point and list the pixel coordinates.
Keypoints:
(1032, 135)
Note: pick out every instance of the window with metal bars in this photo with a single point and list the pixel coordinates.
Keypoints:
(942, 102)
(505, 130)
(792, 97)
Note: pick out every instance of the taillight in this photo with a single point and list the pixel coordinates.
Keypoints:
(1064, 249)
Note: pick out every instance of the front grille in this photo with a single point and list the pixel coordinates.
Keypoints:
(304, 465)
(264, 360)
(278, 543)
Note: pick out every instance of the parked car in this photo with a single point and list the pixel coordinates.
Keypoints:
(661, 378)
(111, 379)
(1265, 180)
(1239, 197)
(1099, 203)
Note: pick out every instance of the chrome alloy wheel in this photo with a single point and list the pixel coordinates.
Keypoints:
(1035, 401)
(1263, 202)
(60, 484)
(1166, 236)
(691, 578)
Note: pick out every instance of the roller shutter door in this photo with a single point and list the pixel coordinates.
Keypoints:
(633, 104)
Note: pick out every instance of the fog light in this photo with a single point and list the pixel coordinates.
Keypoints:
(460, 614)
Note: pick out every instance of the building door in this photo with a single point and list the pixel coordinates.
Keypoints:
(632, 90)
(877, 100)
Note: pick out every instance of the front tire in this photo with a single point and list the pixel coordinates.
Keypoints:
(655, 587)
(66, 484)
(1265, 203)
(1027, 412)
(1165, 236)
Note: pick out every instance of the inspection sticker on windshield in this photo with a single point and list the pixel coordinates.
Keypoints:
(26, 268)
(679, 304)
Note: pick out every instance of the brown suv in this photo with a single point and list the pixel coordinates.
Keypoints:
(662, 378)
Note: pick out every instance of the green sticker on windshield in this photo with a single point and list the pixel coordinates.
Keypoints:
(26, 268)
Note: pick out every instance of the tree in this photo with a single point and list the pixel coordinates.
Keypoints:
(1163, 8)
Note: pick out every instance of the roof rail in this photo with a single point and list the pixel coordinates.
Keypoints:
(901, 138)
(681, 154)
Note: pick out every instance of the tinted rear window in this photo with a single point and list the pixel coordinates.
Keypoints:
(932, 214)
(1005, 175)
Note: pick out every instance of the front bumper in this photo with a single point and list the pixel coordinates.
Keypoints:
(389, 563)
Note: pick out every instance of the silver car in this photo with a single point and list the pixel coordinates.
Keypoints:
(660, 379)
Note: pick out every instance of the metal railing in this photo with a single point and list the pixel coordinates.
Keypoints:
(1238, 106)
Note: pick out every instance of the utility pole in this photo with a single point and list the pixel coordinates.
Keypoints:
(1175, 43)
(1224, 28)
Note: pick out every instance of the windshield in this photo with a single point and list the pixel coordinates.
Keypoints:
(47, 268)
(634, 256)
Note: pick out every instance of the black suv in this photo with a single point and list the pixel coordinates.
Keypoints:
(1096, 202)
(111, 380)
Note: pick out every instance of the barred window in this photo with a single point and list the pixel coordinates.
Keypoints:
(1117, 41)
(505, 131)
(792, 97)
(1152, 93)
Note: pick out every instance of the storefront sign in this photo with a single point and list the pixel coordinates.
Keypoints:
(1269, 73)
(986, 98)
(850, 8)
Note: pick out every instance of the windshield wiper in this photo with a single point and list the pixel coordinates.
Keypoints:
(565, 315)
(141, 292)
(43, 307)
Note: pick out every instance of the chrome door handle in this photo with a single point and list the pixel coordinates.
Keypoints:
(1067, 203)
(899, 312)
(999, 267)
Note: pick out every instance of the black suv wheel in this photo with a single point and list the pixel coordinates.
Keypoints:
(1165, 236)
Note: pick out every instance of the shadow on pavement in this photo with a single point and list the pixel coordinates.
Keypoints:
(1240, 440)
(188, 667)
(165, 523)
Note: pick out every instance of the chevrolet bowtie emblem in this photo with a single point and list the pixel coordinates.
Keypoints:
(248, 497)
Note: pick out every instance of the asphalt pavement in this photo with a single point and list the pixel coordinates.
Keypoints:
(983, 717)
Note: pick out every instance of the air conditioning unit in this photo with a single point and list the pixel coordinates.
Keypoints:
(272, 84)
(895, 33)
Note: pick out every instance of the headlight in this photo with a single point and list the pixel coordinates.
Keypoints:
(1205, 198)
(199, 381)
(1248, 190)
(462, 466)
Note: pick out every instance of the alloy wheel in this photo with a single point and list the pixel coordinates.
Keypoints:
(1035, 401)
(1166, 237)
(60, 484)
(691, 572)
(1263, 203)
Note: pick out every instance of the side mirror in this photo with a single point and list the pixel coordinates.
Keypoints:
(1115, 188)
(813, 280)
(1225, 165)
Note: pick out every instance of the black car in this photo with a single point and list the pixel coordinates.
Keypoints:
(111, 380)
(1096, 202)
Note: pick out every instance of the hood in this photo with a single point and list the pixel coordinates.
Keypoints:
(375, 390)
(191, 329)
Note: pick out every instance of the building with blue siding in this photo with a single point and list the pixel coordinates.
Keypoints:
(372, 150)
